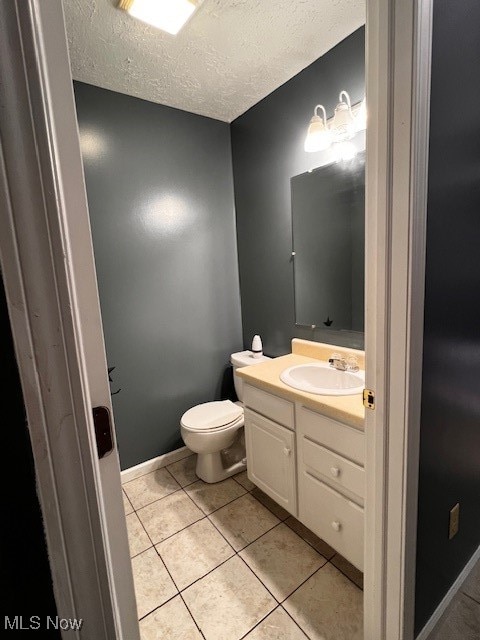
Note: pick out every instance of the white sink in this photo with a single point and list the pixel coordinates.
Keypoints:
(323, 379)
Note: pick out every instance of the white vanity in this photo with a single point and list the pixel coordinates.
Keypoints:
(306, 451)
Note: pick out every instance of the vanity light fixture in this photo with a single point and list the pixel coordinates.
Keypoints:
(167, 15)
(319, 136)
(345, 124)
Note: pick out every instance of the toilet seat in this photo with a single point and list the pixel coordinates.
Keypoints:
(212, 416)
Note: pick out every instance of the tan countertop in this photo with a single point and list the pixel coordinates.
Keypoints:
(346, 409)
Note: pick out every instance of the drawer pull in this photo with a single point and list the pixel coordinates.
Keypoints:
(336, 526)
(287, 451)
(335, 471)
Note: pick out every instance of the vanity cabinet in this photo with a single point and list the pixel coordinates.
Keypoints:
(311, 465)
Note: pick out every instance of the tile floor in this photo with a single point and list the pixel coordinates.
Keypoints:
(461, 620)
(225, 562)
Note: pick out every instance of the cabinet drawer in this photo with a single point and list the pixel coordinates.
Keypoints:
(343, 440)
(271, 459)
(338, 470)
(332, 517)
(268, 405)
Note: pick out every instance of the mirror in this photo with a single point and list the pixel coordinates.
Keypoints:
(328, 220)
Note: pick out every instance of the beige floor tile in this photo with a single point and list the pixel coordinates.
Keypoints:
(210, 497)
(471, 586)
(242, 478)
(461, 621)
(153, 585)
(170, 622)
(165, 517)
(150, 487)
(184, 470)
(275, 508)
(243, 521)
(193, 552)
(282, 560)
(317, 543)
(348, 569)
(277, 626)
(328, 606)
(127, 505)
(137, 538)
(228, 602)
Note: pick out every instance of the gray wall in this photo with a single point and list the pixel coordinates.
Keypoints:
(450, 422)
(160, 194)
(267, 146)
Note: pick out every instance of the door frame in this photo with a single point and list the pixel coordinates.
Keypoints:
(399, 37)
(50, 283)
(48, 271)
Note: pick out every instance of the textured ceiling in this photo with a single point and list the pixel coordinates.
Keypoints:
(230, 55)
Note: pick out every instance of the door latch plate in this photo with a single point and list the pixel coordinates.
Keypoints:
(369, 399)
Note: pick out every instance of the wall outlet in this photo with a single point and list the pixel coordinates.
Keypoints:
(454, 521)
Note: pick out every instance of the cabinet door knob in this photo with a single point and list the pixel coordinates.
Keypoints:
(287, 451)
(336, 525)
(335, 471)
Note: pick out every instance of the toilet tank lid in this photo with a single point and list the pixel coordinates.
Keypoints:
(245, 359)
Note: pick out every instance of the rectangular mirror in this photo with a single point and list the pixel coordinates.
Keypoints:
(328, 220)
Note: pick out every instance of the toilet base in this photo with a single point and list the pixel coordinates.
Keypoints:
(210, 467)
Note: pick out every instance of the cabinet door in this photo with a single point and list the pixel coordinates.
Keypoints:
(271, 459)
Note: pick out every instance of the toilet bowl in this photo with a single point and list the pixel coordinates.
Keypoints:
(210, 428)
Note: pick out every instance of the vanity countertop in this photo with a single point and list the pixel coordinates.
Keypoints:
(346, 409)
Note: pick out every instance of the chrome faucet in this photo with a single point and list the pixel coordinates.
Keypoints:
(343, 363)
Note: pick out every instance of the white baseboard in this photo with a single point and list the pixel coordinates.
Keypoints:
(440, 610)
(155, 463)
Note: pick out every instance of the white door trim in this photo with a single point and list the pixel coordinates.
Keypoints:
(398, 90)
(49, 276)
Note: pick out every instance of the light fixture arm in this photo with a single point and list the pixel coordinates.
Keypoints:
(315, 111)
(347, 98)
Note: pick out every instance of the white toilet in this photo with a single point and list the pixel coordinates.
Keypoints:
(211, 427)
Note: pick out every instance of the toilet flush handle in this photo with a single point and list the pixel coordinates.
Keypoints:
(287, 451)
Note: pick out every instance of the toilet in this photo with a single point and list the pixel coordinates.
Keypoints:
(210, 428)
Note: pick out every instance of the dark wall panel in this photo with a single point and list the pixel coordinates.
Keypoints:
(267, 145)
(450, 423)
(160, 194)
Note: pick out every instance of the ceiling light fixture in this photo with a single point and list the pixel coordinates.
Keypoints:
(167, 15)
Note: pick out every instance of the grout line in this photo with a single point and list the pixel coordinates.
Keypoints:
(470, 597)
(156, 499)
(158, 607)
(218, 508)
(192, 616)
(294, 621)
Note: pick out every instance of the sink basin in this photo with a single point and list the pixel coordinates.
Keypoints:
(324, 380)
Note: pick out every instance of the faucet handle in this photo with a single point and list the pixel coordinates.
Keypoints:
(352, 362)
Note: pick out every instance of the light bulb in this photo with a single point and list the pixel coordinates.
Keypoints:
(361, 117)
(319, 136)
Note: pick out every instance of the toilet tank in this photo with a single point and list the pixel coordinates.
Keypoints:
(243, 359)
